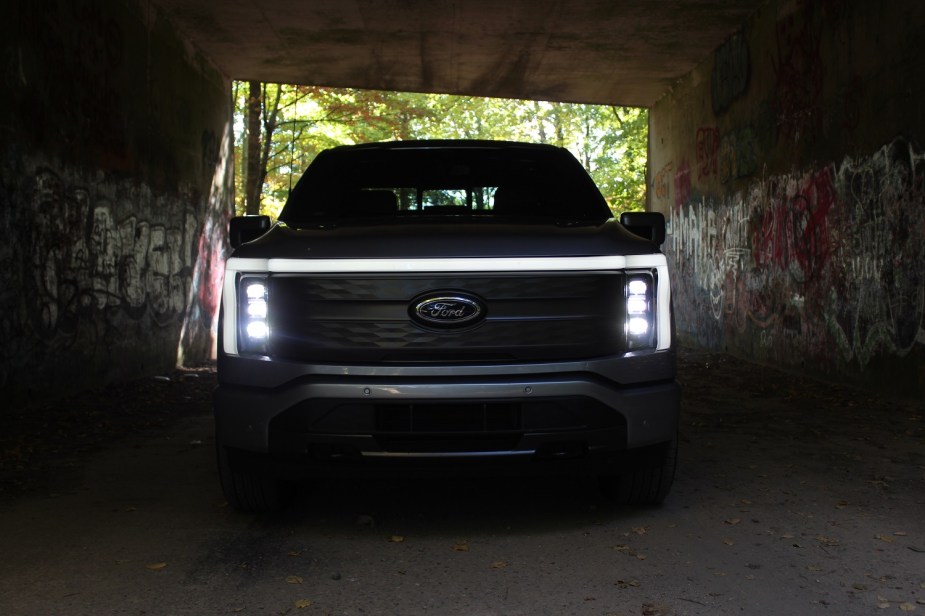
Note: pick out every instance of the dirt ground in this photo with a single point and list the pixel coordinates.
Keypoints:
(793, 497)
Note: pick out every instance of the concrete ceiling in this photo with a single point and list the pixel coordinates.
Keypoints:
(622, 52)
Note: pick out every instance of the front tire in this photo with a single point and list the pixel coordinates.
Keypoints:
(646, 476)
(249, 488)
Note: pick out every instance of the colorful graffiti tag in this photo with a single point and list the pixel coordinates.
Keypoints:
(828, 264)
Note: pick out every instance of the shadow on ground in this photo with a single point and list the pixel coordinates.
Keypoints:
(792, 497)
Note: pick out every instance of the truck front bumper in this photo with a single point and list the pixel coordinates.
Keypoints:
(569, 409)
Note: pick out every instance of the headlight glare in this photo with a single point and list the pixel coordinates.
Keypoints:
(638, 326)
(254, 327)
(256, 290)
(636, 305)
(257, 330)
(637, 286)
(257, 308)
(639, 323)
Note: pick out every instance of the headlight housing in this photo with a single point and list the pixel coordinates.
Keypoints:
(640, 322)
(253, 315)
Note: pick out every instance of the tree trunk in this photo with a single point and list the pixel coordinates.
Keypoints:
(538, 114)
(270, 123)
(253, 184)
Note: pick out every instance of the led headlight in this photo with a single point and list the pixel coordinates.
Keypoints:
(640, 311)
(254, 328)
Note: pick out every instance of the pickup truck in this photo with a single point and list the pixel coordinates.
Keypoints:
(444, 306)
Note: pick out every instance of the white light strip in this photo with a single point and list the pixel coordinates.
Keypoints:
(664, 305)
(229, 314)
(488, 264)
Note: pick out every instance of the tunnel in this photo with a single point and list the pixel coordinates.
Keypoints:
(784, 152)
(787, 154)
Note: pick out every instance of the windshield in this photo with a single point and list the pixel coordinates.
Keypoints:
(477, 181)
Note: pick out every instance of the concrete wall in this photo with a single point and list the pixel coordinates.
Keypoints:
(791, 168)
(114, 196)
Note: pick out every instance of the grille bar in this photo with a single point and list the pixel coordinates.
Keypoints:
(528, 317)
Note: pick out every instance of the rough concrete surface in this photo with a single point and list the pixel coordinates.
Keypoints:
(792, 498)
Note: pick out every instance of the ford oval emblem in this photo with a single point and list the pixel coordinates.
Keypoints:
(447, 310)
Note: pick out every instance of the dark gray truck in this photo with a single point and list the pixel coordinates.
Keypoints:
(446, 306)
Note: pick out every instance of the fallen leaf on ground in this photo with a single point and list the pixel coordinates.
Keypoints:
(627, 583)
(156, 566)
(629, 551)
(498, 564)
(884, 538)
(728, 541)
(396, 539)
(303, 603)
(641, 530)
(829, 541)
(907, 607)
(733, 521)
(461, 546)
(293, 579)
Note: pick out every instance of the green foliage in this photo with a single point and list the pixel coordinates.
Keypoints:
(609, 141)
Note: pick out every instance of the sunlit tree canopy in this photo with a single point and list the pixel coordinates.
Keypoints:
(279, 129)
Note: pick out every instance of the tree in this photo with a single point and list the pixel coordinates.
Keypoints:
(252, 179)
(281, 128)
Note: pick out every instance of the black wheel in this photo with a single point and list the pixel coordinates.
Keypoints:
(645, 478)
(248, 487)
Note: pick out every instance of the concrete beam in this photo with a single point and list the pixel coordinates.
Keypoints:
(624, 52)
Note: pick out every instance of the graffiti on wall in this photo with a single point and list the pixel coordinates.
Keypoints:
(828, 264)
(99, 266)
(662, 183)
(738, 154)
(682, 183)
(730, 73)
(799, 72)
(708, 146)
(197, 337)
(83, 257)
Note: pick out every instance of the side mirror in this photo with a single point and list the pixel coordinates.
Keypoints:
(246, 228)
(650, 225)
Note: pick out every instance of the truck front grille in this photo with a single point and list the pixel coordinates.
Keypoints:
(528, 318)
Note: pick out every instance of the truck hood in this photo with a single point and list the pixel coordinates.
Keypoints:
(451, 239)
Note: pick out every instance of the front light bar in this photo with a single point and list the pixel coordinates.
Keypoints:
(640, 323)
(651, 268)
(253, 308)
